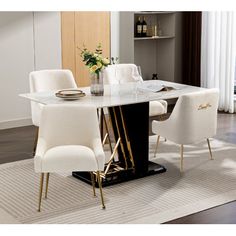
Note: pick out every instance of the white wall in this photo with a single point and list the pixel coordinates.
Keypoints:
(115, 34)
(28, 41)
(16, 61)
(47, 30)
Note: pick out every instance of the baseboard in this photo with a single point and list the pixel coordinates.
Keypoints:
(15, 123)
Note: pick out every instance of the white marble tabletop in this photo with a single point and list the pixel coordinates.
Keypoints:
(118, 94)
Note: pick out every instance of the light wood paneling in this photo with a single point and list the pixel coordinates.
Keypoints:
(83, 28)
(91, 28)
(68, 41)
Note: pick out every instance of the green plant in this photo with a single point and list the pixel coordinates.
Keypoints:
(94, 60)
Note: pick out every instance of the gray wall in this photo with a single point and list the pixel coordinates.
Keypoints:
(178, 48)
(115, 34)
(126, 37)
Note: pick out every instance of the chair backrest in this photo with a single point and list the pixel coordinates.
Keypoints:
(121, 73)
(195, 116)
(48, 80)
(69, 124)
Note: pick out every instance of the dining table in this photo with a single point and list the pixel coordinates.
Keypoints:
(128, 108)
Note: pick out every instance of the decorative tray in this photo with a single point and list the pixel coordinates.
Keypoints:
(70, 94)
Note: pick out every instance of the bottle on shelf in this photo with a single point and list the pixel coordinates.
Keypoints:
(144, 28)
(139, 28)
(154, 31)
(154, 77)
(149, 31)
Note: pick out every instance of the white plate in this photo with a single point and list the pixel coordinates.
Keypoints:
(70, 94)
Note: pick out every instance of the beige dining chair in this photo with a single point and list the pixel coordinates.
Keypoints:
(69, 140)
(44, 81)
(193, 119)
(124, 73)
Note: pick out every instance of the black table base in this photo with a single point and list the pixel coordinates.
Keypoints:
(130, 124)
(122, 176)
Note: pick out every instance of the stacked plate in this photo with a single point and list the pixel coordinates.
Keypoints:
(70, 94)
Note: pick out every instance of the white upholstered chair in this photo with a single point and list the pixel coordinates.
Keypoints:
(48, 80)
(194, 118)
(123, 73)
(69, 140)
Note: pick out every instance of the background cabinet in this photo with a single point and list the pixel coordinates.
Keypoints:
(161, 55)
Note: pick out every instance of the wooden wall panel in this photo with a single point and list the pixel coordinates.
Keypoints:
(68, 41)
(90, 28)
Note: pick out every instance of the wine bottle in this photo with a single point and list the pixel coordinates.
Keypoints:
(144, 28)
(154, 76)
(139, 28)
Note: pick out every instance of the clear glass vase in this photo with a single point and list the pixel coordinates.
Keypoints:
(97, 88)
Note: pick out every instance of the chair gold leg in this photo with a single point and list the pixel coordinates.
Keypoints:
(100, 187)
(209, 146)
(101, 124)
(158, 140)
(40, 191)
(47, 182)
(181, 158)
(93, 183)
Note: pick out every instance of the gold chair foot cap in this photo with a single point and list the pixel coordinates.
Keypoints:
(38, 210)
(103, 207)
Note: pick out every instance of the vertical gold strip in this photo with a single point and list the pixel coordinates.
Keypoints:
(126, 137)
(108, 134)
(121, 143)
